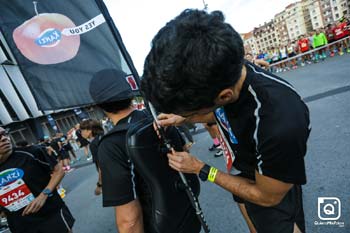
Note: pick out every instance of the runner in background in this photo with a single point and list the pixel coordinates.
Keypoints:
(83, 142)
(303, 47)
(64, 153)
(283, 56)
(30, 177)
(340, 31)
(93, 131)
(275, 58)
(213, 131)
(291, 53)
(319, 40)
(330, 37)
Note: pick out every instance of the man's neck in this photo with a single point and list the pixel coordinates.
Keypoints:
(115, 118)
(238, 87)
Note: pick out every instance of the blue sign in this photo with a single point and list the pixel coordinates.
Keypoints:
(221, 115)
(10, 175)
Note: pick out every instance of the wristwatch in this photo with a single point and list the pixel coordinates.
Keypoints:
(204, 172)
(47, 192)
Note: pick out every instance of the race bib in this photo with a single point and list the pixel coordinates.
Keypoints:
(224, 124)
(228, 153)
(14, 193)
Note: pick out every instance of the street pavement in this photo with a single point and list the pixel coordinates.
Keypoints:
(325, 88)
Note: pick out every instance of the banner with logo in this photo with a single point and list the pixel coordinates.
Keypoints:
(81, 114)
(52, 123)
(59, 45)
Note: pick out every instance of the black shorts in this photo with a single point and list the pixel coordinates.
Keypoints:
(63, 155)
(280, 218)
(59, 222)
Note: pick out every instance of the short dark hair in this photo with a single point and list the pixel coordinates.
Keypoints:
(193, 57)
(93, 125)
(115, 106)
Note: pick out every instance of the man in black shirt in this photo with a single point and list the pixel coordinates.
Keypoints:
(196, 70)
(123, 187)
(28, 180)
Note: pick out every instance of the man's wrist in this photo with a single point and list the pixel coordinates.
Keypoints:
(199, 167)
(47, 192)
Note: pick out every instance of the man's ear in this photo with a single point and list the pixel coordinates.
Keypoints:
(225, 96)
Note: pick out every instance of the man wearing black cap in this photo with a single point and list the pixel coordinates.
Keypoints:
(123, 187)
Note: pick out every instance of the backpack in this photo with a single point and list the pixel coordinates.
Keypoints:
(166, 206)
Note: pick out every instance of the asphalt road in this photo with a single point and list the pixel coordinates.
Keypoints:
(326, 89)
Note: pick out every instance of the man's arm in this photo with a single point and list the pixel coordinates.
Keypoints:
(176, 120)
(129, 217)
(265, 191)
(262, 62)
(56, 177)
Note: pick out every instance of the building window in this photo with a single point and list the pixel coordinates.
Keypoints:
(337, 15)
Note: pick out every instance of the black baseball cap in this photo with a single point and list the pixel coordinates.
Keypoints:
(110, 85)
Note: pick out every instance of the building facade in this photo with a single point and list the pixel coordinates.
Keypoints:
(281, 27)
(340, 9)
(295, 20)
(249, 43)
(266, 36)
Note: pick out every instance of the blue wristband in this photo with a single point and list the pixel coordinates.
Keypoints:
(47, 192)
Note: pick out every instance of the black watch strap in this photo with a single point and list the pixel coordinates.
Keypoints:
(204, 172)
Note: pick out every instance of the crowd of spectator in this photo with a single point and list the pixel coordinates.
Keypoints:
(309, 48)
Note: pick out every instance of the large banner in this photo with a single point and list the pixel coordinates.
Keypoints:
(59, 45)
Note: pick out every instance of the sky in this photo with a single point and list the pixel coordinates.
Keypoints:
(138, 21)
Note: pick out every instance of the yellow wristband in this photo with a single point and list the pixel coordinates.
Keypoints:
(212, 174)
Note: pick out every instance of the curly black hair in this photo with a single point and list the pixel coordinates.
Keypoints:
(193, 57)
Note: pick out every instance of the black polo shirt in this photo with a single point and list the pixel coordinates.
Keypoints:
(266, 129)
(118, 173)
(27, 172)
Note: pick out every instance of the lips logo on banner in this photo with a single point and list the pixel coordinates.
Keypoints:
(51, 38)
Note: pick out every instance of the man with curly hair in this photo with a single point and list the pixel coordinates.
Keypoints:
(196, 72)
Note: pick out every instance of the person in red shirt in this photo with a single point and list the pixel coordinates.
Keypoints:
(303, 46)
(330, 37)
(340, 31)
